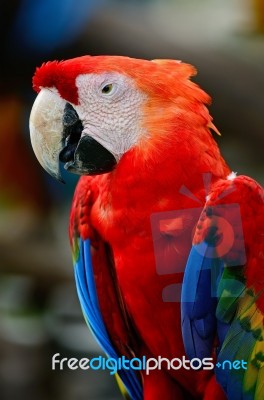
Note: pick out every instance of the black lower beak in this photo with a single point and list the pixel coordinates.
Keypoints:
(88, 157)
(82, 155)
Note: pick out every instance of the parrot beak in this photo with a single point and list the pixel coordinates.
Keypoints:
(56, 133)
(46, 127)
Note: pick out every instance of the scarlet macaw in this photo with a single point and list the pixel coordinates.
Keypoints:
(140, 134)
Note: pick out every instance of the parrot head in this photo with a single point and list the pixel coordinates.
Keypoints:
(90, 111)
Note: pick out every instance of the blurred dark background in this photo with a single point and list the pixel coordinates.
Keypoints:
(39, 310)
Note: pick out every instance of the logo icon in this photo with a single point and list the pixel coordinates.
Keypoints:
(173, 231)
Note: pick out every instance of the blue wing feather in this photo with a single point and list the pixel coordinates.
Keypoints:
(87, 293)
(198, 301)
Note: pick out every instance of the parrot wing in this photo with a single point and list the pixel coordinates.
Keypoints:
(223, 288)
(97, 290)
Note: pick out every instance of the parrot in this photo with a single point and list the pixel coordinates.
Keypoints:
(167, 241)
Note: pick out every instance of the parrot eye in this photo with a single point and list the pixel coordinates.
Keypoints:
(107, 88)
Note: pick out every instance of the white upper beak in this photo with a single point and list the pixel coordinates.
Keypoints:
(46, 128)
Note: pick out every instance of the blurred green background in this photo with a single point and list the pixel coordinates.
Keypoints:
(39, 309)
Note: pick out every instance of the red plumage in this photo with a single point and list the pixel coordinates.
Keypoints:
(115, 208)
(114, 211)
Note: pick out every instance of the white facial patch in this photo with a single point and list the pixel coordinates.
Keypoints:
(110, 108)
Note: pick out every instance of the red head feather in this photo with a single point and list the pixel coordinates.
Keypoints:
(165, 79)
